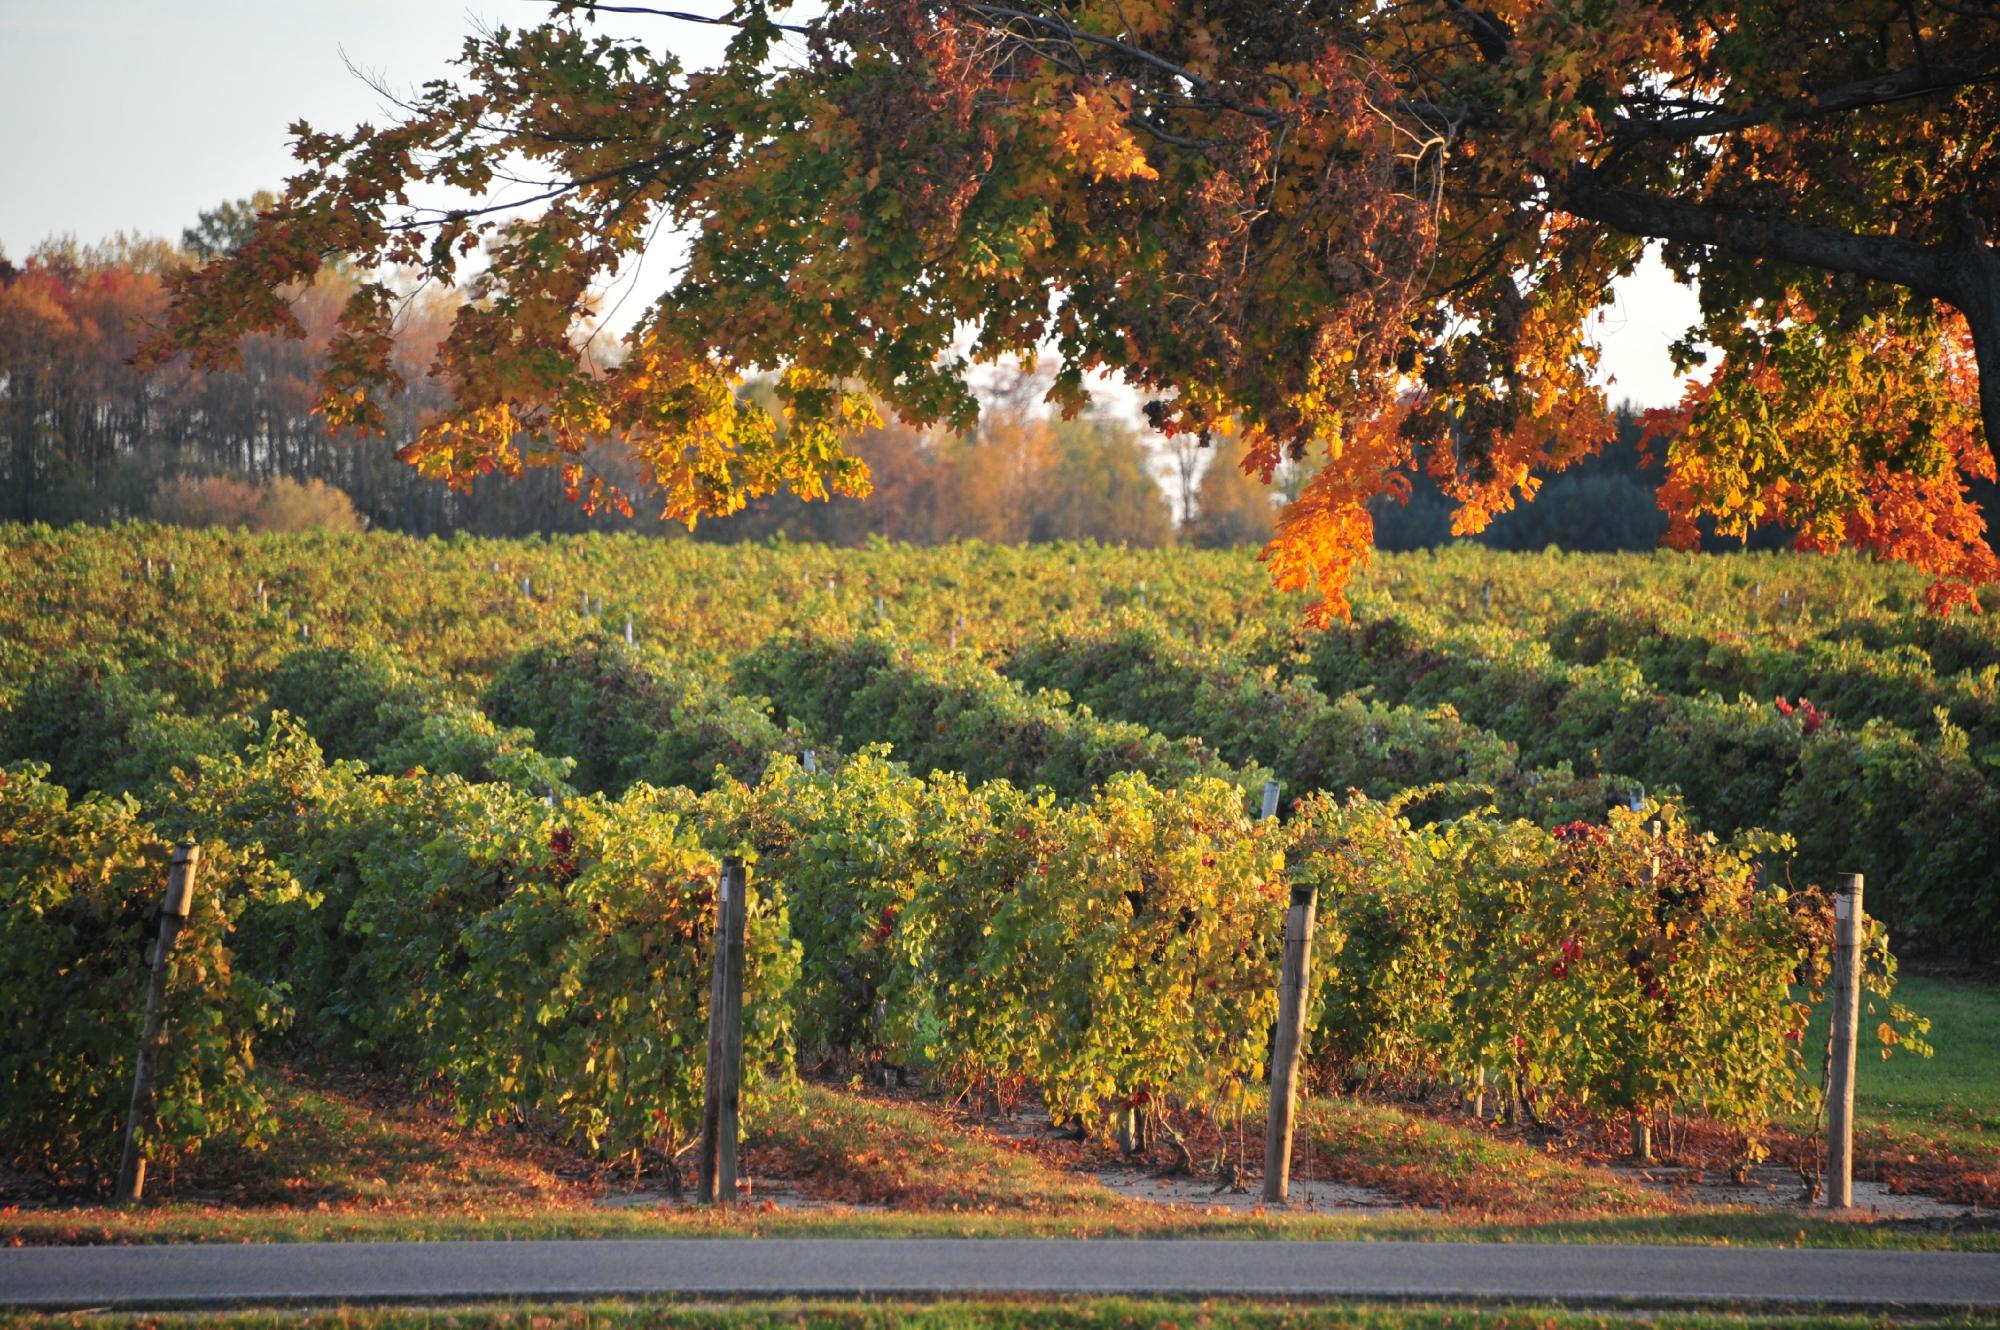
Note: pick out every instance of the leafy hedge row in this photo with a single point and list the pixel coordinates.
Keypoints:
(626, 715)
(1913, 814)
(1137, 671)
(97, 728)
(1628, 966)
(949, 713)
(1683, 653)
(363, 703)
(80, 887)
(1123, 950)
(1100, 950)
(1778, 599)
(550, 965)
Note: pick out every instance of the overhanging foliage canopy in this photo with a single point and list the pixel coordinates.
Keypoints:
(1374, 234)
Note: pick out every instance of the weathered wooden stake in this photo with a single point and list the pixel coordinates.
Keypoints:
(1642, 1125)
(725, 1039)
(628, 630)
(810, 762)
(173, 914)
(1846, 1017)
(1642, 1137)
(1132, 1130)
(1290, 1043)
(1270, 799)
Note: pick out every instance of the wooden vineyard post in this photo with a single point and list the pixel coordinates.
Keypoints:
(1132, 1130)
(1846, 1016)
(725, 1038)
(173, 914)
(1290, 1043)
(1642, 1126)
(1642, 1137)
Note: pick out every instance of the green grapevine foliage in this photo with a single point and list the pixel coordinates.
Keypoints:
(1041, 876)
(80, 888)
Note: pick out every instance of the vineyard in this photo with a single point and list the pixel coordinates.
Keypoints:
(462, 806)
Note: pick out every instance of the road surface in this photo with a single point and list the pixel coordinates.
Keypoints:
(191, 1276)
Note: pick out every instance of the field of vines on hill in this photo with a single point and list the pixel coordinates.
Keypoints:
(463, 805)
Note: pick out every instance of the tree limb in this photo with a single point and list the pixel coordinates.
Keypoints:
(1927, 269)
(680, 16)
(1881, 90)
(1964, 274)
(1004, 17)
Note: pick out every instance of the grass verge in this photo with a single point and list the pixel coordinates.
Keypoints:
(1932, 1125)
(358, 1160)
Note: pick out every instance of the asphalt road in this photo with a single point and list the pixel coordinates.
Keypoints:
(184, 1276)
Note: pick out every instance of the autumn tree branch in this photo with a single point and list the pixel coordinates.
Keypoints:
(1881, 90)
(1964, 274)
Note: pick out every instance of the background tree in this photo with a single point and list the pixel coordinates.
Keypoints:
(91, 439)
(1019, 477)
(282, 504)
(84, 436)
(1230, 506)
(224, 228)
(1100, 488)
(1373, 235)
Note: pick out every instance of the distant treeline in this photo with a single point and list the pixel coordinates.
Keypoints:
(1603, 503)
(85, 437)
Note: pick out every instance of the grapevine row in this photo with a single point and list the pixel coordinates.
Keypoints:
(1137, 671)
(945, 712)
(1913, 814)
(548, 963)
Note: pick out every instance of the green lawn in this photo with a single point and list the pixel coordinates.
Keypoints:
(1933, 1123)
(1957, 1089)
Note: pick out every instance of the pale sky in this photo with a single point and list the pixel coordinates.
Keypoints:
(120, 115)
